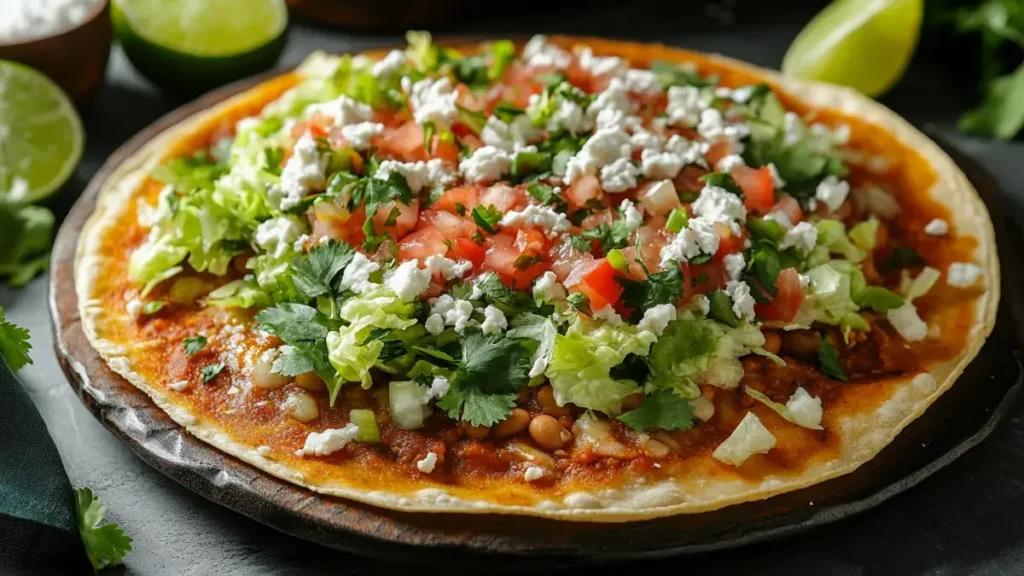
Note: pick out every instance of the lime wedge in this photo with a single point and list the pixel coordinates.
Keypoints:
(189, 46)
(864, 44)
(40, 133)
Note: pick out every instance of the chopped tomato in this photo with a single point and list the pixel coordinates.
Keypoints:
(595, 220)
(788, 205)
(717, 151)
(758, 188)
(449, 225)
(586, 188)
(504, 198)
(501, 257)
(531, 241)
(467, 196)
(408, 214)
(789, 296)
(600, 286)
(405, 142)
(422, 244)
(688, 179)
(445, 150)
(466, 249)
(728, 242)
(471, 142)
(571, 267)
(331, 220)
(634, 270)
(703, 278)
(318, 125)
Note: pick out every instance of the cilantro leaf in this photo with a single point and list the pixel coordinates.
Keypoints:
(903, 257)
(611, 236)
(483, 389)
(526, 164)
(763, 270)
(372, 192)
(829, 359)
(105, 545)
(580, 302)
(14, 344)
(200, 170)
(26, 233)
(193, 344)
(722, 180)
(502, 297)
(210, 371)
(721, 308)
(293, 322)
(487, 218)
(318, 272)
(662, 409)
(663, 287)
(547, 196)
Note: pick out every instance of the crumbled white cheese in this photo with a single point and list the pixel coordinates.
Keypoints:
(729, 162)
(702, 303)
(719, 205)
(805, 409)
(360, 135)
(699, 237)
(134, 308)
(906, 321)
(781, 217)
(494, 321)
(657, 165)
(608, 314)
(793, 128)
(537, 216)
(547, 288)
(603, 148)
(459, 315)
(434, 101)
(619, 176)
(713, 127)
(277, 235)
(656, 318)
(179, 385)
(803, 236)
(777, 180)
(642, 81)
(962, 274)
(600, 65)
(357, 274)
(685, 104)
(147, 214)
(302, 174)
(632, 216)
(408, 281)
(418, 175)
(571, 117)
(538, 52)
(734, 265)
(533, 473)
(448, 269)
(486, 164)
(512, 136)
(691, 151)
(750, 437)
(434, 324)
(742, 301)
(646, 140)
(805, 280)
(439, 386)
(539, 366)
(832, 191)
(388, 65)
(937, 227)
(329, 441)
(427, 464)
(614, 98)
(742, 94)
(702, 407)
(343, 110)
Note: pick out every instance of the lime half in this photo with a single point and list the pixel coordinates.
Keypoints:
(864, 44)
(189, 46)
(40, 133)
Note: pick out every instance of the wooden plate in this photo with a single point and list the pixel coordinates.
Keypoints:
(960, 419)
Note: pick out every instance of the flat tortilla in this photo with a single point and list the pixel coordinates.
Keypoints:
(859, 424)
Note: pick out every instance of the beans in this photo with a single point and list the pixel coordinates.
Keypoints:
(548, 433)
(632, 401)
(310, 381)
(546, 398)
(240, 262)
(801, 343)
(262, 377)
(301, 406)
(515, 423)
(477, 432)
(772, 341)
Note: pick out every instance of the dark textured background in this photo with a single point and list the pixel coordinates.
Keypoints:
(965, 519)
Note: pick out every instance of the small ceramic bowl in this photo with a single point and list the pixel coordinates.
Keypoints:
(76, 59)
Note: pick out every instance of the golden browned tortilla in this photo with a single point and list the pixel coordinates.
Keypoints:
(860, 418)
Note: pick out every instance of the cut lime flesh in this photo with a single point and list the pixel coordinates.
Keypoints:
(864, 44)
(41, 136)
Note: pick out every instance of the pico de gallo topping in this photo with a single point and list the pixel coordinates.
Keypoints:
(510, 238)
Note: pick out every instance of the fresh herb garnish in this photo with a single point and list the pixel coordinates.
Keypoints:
(14, 344)
(721, 308)
(210, 371)
(829, 358)
(483, 388)
(661, 409)
(187, 173)
(722, 180)
(580, 302)
(671, 74)
(509, 301)
(663, 287)
(193, 344)
(611, 236)
(319, 272)
(547, 196)
(153, 306)
(487, 218)
(105, 545)
(903, 257)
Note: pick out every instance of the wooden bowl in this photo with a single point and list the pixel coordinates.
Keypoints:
(76, 59)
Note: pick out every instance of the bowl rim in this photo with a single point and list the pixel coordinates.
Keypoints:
(91, 17)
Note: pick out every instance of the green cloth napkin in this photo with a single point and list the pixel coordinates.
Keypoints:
(38, 530)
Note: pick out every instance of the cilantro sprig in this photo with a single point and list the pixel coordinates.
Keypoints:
(662, 409)
(14, 344)
(663, 287)
(483, 388)
(193, 344)
(828, 357)
(106, 545)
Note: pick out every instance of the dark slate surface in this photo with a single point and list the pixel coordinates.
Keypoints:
(965, 519)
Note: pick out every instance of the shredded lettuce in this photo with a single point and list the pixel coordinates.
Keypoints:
(582, 360)
(352, 353)
(242, 293)
(920, 285)
(832, 235)
(864, 234)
